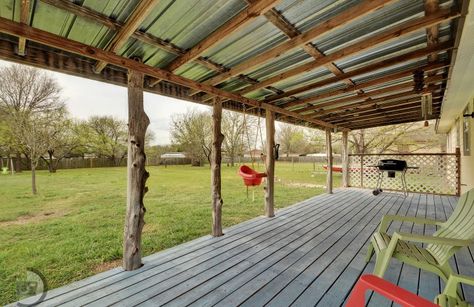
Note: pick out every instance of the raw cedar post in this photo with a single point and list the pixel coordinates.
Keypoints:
(345, 160)
(216, 159)
(137, 175)
(329, 160)
(270, 163)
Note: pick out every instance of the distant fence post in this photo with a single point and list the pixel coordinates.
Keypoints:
(458, 171)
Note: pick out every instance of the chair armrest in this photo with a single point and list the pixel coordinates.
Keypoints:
(430, 239)
(386, 289)
(386, 219)
(454, 280)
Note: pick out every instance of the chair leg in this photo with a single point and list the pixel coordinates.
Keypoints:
(381, 263)
(370, 252)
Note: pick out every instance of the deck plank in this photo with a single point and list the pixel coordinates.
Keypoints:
(311, 253)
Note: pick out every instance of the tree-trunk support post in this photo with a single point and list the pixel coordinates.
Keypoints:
(216, 160)
(137, 175)
(345, 159)
(270, 164)
(329, 161)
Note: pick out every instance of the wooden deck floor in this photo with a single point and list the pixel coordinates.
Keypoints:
(309, 254)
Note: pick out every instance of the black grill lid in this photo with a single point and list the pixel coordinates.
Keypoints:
(392, 165)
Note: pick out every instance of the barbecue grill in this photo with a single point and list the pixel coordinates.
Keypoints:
(392, 166)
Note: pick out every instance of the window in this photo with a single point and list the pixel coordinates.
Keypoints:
(466, 132)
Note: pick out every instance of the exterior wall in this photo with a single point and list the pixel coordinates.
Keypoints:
(455, 138)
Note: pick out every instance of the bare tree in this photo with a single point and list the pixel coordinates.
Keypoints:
(193, 132)
(32, 131)
(394, 138)
(291, 139)
(29, 98)
(233, 127)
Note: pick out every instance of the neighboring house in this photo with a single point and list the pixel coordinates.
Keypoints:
(253, 153)
(456, 115)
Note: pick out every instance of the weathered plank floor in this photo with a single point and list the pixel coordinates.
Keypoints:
(309, 254)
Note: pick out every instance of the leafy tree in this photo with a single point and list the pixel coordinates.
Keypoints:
(233, 128)
(106, 136)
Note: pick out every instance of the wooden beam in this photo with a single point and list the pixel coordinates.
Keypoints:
(370, 94)
(270, 164)
(355, 12)
(392, 120)
(24, 17)
(241, 19)
(329, 159)
(52, 40)
(291, 31)
(136, 173)
(371, 68)
(385, 108)
(432, 33)
(140, 13)
(368, 103)
(216, 159)
(393, 33)
(400, 110)
(345, 159)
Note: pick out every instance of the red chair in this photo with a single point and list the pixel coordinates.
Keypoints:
(381, 286)
(250, 176)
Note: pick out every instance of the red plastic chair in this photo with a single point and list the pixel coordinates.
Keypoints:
(250, 176)
(381, 286)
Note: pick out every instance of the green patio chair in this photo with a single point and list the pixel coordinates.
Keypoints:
(456, 232)
(449, 297)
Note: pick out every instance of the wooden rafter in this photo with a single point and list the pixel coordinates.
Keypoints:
(386, 63)
(432, 33)
(241, 19)
(338, 21)
(409, 104)
(395, 32)
(370, 94)
(390, 120)
(139, 14)
(56, 41)
(367, 103)
(24, 16)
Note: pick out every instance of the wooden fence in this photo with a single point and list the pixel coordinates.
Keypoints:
(437, 173)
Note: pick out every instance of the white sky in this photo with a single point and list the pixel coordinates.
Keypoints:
(85, 98)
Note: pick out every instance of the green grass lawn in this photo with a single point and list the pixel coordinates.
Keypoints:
(73, 228)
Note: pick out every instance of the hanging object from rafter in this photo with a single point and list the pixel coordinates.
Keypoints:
(418, 78)
(426, 107)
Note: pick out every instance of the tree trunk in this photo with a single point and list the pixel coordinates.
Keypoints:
(51, 167)
(270, 163)
(329, 161)
(18, 163)
(216, 159)
(33, 178)
(137, 175)
(345, 160)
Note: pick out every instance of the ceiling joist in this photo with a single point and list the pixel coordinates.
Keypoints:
(55, 41)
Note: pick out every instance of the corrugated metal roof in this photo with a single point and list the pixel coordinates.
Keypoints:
(185, 23)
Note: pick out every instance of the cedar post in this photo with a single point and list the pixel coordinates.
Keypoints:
(329, 161)
(136, 174)
(345, 159)
(270, 163)
(216, 159)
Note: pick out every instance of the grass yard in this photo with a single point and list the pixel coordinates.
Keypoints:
(73, 228)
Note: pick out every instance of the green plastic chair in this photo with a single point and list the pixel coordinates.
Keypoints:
(449, 297)
(456, 232)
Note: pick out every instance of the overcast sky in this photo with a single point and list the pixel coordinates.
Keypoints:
(85, 97)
